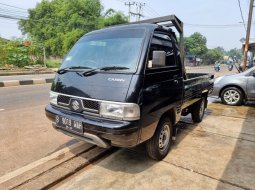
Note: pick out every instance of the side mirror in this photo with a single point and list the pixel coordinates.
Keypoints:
(159, 59)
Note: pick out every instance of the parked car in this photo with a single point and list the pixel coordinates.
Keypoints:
(126, 85)
(237, 88)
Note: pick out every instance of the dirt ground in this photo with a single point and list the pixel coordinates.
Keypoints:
(218, 153)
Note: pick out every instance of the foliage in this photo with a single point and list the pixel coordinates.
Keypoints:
(53, 63)
(195, 44)
(19, 53)
(111, 17)
(222, 50)
(213, 55)
(58, 24)
(235, 53)
(3, 41)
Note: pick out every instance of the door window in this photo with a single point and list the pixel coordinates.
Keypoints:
(161, 42)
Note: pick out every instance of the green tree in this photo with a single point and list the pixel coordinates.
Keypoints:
(222, 50)
(195, 44)
(213, 55)
(111, 17)
(58, 24)
(235, 53)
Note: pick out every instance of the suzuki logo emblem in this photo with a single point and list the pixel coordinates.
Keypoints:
(75, 105)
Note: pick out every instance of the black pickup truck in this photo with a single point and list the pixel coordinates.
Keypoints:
(126, 85)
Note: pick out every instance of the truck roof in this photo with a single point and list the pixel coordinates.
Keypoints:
(126, 26)
(152, 24)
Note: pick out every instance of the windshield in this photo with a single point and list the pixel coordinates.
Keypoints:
(119, 48)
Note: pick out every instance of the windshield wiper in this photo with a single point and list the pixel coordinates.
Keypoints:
(109, 68)
(72, 69)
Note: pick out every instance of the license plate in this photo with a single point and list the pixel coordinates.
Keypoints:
(69, 124)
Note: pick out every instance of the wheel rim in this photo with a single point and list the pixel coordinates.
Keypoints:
(164, 137)
(201, 110)
(231, 96)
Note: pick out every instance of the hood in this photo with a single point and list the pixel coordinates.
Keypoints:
(235, 75)
(101, 86)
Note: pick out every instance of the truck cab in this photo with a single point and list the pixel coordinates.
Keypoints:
(126, 85)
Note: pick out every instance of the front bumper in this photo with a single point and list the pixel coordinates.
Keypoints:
(100, 131)
(216, 91)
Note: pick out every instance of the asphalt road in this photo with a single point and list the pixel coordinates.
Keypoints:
(26, 135)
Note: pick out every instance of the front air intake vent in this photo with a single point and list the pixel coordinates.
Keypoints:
(90, 104)
(63, 100)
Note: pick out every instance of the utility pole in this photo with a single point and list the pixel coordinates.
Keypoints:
(44, 57)
(129, 4)
(139, 10)
(247, 41)
(138, 13)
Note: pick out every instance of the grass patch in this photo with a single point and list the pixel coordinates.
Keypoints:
(53, 63)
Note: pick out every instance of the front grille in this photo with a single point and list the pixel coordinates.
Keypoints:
(90, 104)
(63, 99)
(87, 104)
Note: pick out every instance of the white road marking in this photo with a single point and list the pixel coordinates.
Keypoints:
(30, 166)
(1, 109)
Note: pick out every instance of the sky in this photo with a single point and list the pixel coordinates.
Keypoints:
(196, 15)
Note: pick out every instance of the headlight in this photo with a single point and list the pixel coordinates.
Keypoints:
(53, 98)
(217, 79)
(123, 111)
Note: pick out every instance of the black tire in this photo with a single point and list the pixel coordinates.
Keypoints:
(232, 96)
(159, 145)
(230, 68)
(198, 111)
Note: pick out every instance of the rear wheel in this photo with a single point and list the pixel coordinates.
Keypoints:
(232, 96)
(198, 111)
(159, 145)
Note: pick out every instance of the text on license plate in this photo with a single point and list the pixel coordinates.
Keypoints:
(69, 124)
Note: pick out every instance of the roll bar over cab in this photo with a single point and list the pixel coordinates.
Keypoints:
(108, 106)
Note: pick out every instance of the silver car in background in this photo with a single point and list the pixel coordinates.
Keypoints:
(235, 89)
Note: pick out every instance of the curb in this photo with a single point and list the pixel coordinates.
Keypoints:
(50, 170)
(25, 73)
(10, 83)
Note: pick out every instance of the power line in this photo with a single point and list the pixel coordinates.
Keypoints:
(152, 10)
(12, 10)
(151, 14)
(213, 26)
(13, 6)
(239, 4)
(7, 13)
(12, 17)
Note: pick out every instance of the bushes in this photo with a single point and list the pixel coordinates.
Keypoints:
(20, 53)
(53, 63)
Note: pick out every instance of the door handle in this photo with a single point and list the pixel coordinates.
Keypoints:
(176, 81)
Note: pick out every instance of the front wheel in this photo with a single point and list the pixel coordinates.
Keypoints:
(232, 96)
(159, 145)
